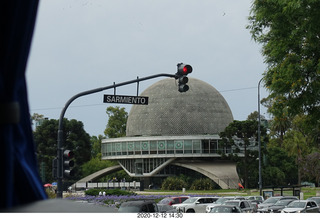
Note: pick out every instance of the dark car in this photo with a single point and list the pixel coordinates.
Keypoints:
(316, 199)
(245, 205)
(138, 206)
(173, 200)
(279, 205)
(225, 209)
(263, 207)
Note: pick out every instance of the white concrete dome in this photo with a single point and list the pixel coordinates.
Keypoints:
(199, 111)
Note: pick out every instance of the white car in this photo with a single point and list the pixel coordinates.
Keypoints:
(222, 200)
(195, 204)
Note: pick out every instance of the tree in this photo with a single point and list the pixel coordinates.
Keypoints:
(311, 167)
(75, 139)
(117, 122)
(279, 169)
(247, 132)
(297, 142)
(289, 32)
(255, 116)
(96, 146)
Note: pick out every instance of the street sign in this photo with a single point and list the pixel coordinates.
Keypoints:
(125, 99)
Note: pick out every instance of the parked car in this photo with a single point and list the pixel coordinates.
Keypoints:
(279, 205)
(173, 200)
(245, 205)
(263, 207)
(138, 206)
(301, 206)
(225, 209)
(316, 199)
(255, 204)
(195, 204)
(251, 198)
(164, 208)
(222, 200)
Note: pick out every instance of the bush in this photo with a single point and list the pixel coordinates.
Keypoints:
(117, 192)
(173, 183)
(202, 184)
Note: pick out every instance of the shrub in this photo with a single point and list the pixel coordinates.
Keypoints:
(173, 183)
(117, 192)
(202, 184)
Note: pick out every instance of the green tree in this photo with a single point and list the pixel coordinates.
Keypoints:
(289, 32)
(96, 146)
(75, 138)
(246, 132)
(117, 122)
(311, 167)
(279, 169)
(255, 116)
(297, 142)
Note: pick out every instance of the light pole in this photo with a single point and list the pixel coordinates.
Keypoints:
(60, 144)
(259, 137)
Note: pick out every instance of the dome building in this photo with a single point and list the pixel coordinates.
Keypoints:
(175, 132)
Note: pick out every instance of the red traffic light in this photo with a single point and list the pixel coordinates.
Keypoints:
(184, 69)
(68, 154)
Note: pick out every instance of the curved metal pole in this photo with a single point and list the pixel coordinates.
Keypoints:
(259, 139)
(60, 129)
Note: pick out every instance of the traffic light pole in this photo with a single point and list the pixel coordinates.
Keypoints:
(60, 129)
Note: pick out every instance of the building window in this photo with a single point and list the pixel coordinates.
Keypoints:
(188, 146)
(196, 146)
(137, 148)
(170, 147)
(178, 146)
(153, 147)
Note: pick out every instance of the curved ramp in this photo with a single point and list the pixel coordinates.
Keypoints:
(100, 173)
(222, 173)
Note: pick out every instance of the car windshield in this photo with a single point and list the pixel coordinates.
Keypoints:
(232, 203)
(282, 202)
(270, 201)
(223, 209)
(165, 201)
(190, 200)
(221, 200)
(297, 205)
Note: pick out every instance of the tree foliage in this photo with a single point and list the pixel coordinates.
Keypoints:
(289, 32)
(117, 122)
(245, 132)
(75, 138)
(173, 183)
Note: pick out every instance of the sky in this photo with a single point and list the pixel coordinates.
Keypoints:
(79, 45)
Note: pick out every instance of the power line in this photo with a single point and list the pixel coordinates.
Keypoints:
(100, 104)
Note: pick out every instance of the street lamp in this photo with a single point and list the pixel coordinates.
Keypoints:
(259, 137)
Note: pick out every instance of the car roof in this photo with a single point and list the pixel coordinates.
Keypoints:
(303, 200)
(235, 200)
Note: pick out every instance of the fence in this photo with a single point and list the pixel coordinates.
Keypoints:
(107, 185)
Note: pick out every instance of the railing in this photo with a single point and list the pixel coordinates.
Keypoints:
(107, 185)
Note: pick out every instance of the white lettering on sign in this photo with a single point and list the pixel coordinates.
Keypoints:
(125, 99)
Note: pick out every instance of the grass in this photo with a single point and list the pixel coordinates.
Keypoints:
(307, 192)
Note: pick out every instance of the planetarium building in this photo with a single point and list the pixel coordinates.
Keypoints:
(175, 133)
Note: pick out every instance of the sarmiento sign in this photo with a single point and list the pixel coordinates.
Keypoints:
(125, 99)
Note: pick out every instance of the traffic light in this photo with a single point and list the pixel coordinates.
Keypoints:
(181, 75)
(68, 163)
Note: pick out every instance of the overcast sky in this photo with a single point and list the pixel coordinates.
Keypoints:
(80, 45)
